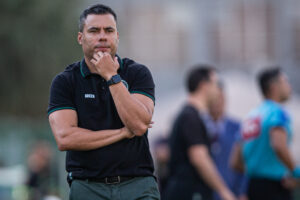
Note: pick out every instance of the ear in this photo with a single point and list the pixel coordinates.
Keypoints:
(201, 86)
(79, 38)
(118, 38)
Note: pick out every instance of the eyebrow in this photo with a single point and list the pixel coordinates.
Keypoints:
(97, 28)
(109, 27)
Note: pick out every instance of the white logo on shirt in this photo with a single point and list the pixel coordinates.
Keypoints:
(89, 96)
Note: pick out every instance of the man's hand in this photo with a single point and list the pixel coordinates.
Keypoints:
(243, 197)
(290, 183)
(105, 65)
(128, 134)
(227, 195)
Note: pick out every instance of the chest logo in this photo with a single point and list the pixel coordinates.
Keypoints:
(89, 96)
(251, 128)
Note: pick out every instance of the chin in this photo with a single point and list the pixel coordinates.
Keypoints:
(284, 99)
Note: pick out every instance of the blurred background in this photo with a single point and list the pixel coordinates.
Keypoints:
(38, 40)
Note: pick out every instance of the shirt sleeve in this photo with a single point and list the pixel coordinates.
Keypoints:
(278, 119)
(60, 95)
(193, 131)
(143, 83)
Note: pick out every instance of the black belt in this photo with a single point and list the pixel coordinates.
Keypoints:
(109, 180)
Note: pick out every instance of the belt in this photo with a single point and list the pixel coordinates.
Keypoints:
(110, 180)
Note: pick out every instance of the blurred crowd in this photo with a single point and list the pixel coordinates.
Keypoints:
(252, 160)
(36, 180)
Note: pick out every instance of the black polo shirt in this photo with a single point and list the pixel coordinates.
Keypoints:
(89, 95)
(188, 130)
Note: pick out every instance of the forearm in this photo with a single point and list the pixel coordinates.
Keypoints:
(279, 144)
(236, 159)
(284, 155)
(209, 173)
(133, 113)
(201, 160)
(80, 139)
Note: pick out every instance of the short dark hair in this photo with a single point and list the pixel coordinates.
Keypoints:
(198, 74)
(97, 9)
(266, 77)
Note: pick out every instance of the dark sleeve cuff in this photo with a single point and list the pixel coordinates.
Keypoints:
(144, 93)
(59, 108)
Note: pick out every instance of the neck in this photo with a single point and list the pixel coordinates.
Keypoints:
(216, 117)
(274, 98)
(198, 101)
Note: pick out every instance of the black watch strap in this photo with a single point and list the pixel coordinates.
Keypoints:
(114, 80)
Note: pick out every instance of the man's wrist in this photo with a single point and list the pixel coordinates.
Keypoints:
(108, 77)
(114, 80)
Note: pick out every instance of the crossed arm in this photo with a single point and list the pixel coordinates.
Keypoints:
(135, 110)
(69, 136)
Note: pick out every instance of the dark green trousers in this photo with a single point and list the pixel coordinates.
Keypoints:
(140, 188)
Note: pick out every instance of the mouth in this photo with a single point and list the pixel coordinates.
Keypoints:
(102, 48)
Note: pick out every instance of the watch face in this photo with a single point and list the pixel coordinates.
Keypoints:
(116, 79)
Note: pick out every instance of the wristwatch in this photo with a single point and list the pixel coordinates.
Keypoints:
(114, 80)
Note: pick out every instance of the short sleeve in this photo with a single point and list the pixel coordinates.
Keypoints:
(60, 95)
(143, 83)
(193, 131)
(278, 118)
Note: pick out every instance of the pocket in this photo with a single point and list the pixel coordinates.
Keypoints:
(151, 188)
(76, 190)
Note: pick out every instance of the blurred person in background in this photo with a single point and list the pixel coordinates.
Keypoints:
(264, 152)
(100, 110)
(161, 160)
(42, 179)
(223, 131)
(193, 174)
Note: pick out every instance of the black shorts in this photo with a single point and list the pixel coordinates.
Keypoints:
(267, 189)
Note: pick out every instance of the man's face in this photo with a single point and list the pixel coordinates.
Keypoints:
(217, 105)
(99, 34)
(212, 87)
(283, 88)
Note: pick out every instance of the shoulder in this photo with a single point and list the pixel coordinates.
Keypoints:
(133, 67)
(72, 68)
(189, 113)
(233, 121)
(276, 110)
(68, 73)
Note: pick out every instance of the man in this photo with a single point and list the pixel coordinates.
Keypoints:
(100, 109)
(193, 174)
(266, 136)
(223, 131)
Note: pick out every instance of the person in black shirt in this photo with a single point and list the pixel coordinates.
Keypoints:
(193, 174)
(100, 110)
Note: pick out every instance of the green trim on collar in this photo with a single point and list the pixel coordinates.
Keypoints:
(81, 69)
(61, 108)
(144, 93)
(120, 62)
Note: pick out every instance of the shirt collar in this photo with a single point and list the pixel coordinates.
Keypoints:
(85, 71)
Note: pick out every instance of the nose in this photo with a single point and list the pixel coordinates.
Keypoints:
(102, 36)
